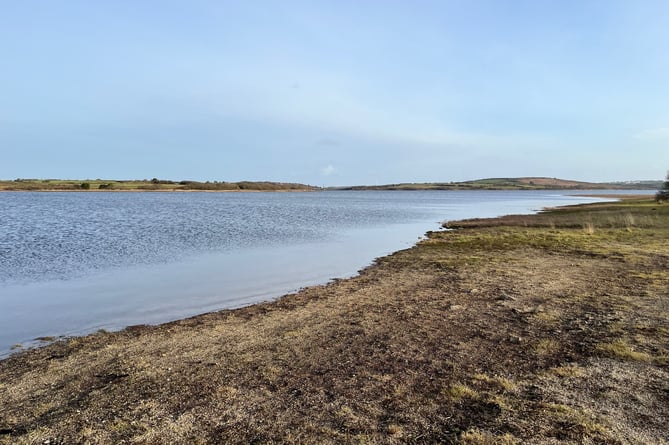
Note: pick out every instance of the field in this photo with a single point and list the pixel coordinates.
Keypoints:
(543, 329)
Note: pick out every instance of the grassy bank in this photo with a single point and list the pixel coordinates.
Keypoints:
(552, 328)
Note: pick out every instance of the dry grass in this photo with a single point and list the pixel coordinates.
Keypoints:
(623, 350)
(477, 437)
(513, 330)
(459, 391)
(569, 370)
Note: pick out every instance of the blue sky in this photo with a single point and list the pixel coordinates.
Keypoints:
(334, 92)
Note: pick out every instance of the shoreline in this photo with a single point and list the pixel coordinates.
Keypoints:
(459, 328)
(154, 191)
(617, 195)
(44, 341)
(180, 190)
(104, 283)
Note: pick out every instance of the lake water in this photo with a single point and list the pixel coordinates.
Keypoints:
(72, 263)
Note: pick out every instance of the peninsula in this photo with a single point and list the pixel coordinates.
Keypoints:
(149, 185)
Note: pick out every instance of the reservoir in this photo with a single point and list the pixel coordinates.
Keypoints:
(73, 263)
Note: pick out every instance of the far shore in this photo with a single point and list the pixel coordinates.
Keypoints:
(544, 328)
(614, 195)
(150, 191)
(155, 184)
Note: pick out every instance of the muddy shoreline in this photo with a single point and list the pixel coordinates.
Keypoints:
(548, 328)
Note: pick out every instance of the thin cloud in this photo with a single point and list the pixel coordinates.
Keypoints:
(654, 134)
(328, 170)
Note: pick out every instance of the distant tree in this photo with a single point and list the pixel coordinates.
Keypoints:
(85, 185)
(663, 193)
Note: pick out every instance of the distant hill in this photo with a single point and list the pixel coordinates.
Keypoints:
(147, 185)
(526, 183)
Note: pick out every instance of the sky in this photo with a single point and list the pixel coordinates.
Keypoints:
(334, 92)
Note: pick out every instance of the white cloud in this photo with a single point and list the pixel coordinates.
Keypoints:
(328, 170)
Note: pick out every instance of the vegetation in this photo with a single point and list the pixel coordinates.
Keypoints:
(663, 194)
(154, 184)
(543, 329)
(533, 183)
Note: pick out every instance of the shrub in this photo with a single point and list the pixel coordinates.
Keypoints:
(663, 193)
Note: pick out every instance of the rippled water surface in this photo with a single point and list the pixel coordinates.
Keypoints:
(64, 235)
(74, 262)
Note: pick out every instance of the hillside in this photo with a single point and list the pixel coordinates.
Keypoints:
(525, 183)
